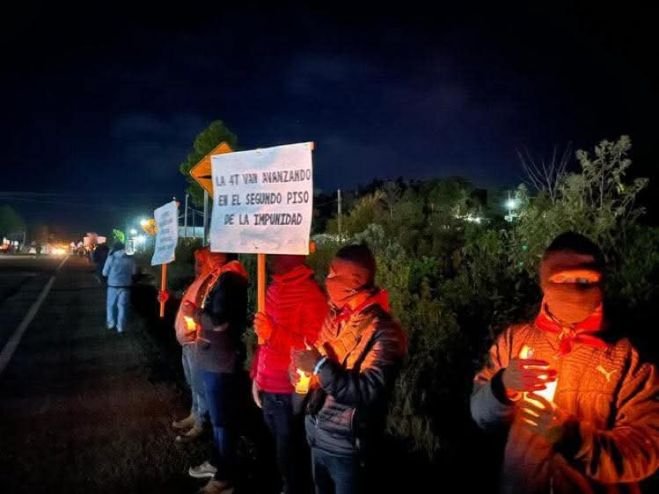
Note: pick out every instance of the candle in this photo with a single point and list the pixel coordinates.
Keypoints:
(302, 385)
(548, 393)
(190, 323)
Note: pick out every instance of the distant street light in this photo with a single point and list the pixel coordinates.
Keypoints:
(133, 231)
(511, 204)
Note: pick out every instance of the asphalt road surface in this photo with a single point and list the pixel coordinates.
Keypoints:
(82, 409)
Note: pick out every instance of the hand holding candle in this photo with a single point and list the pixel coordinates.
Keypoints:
(542, 417)
(188, 309)
(304, 362)
(527, 375)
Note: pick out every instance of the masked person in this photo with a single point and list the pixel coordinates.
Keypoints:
(581, 409)
(192, 426)
(295, 309)
(355, 363)
(220, 355)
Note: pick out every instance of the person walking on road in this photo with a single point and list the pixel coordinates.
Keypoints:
(119, 269)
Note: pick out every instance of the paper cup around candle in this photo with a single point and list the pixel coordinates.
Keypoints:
(302, 385)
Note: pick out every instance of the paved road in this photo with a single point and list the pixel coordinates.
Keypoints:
(83, 409)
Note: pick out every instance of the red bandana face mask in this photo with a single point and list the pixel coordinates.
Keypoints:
(339, 290)
(344, 280)
(573, 295)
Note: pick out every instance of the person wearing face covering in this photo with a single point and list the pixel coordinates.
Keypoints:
(295, 308)
(354, 365)
(220, 318)
(580, 408)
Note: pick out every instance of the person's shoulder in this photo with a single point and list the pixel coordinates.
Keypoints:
(233, 278)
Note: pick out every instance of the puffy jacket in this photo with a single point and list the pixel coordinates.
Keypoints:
(297, 308)
(219, 346)
(348, 411)
(612, 444)
(120, 269)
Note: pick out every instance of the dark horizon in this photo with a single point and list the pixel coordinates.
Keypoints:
(101, 112)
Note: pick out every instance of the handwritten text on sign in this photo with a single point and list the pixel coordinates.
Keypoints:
(167, 237)
(263, 200)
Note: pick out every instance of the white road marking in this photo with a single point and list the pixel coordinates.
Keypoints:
(9, 349)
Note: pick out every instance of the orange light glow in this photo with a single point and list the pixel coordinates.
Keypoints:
(302, 386)
(550, 387)
(576, 276)
(190, 323)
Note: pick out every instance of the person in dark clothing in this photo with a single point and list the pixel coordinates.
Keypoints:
(99, 256)
(220, 355)
(355, 363)
(580, 408)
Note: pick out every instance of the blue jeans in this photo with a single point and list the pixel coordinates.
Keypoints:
(118, 301)
(336, 474)
(195, 381)
(287, 428)
(221, 390)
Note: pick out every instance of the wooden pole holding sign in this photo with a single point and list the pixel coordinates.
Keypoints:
(164, 251)
(260, 300)
(163, 288)
(241, 223)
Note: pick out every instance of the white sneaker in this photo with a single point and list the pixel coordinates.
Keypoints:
(203, 471)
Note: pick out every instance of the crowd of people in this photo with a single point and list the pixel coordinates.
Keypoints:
(579, 408)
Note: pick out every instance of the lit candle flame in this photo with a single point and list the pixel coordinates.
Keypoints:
(302, 385)
(190, 323)
(550, 387)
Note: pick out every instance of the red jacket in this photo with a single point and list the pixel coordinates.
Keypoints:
(297, 308)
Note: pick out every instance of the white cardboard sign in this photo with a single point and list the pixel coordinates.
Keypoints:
(263, 200)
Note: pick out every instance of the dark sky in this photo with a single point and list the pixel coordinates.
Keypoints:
(102, 102)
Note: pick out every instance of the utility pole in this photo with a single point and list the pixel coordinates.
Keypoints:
(205, 217)
(185, 219)
(338, 194)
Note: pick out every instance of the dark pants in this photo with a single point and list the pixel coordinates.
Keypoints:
(286, 423)
(221, 392)
(336, 474)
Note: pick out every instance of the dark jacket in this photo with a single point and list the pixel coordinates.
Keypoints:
(223, 321)
(347, 413)
(613, 441)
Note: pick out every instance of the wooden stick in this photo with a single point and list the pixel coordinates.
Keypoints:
(260, 302)
(163, 287)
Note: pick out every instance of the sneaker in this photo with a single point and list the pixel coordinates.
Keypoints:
(203, 471)
(185, 423)
(217, 487)
(191, 435)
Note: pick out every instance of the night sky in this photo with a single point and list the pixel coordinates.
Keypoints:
(101, 102)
